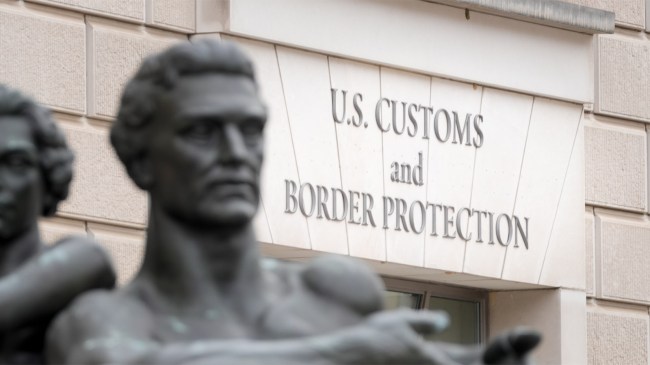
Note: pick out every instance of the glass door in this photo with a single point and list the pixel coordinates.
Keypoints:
(465, 307)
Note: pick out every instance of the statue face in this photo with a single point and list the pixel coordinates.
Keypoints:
(206, 150)
(21, 190)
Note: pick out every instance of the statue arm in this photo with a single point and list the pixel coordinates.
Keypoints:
(105, 327)
(99, 330)
(45, 285)
(362, 344)
(125, 349)
(384, 338)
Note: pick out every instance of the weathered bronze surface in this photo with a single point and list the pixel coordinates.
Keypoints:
(36, 281)
(190, 133)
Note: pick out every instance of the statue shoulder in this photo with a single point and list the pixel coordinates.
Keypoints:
(92, 264)
(93, 317)
(90, 313)
(345, 280)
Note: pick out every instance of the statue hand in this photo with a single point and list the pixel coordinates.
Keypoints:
(410, 321)
(396, 337)
(512, 347)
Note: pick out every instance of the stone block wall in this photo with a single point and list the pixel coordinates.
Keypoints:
(617, 220)
(75, 56)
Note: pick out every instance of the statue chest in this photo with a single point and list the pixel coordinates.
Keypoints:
(299, 313)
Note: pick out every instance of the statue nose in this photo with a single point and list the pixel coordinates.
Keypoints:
(233, 148)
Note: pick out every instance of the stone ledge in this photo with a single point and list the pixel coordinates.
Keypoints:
(553, 13)
(56, 228)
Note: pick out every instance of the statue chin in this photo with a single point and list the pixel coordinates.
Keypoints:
(229, 214)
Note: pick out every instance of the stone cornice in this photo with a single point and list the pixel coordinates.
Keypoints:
(552, 13)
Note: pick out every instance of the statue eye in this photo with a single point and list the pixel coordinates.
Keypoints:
(18, 161)
(251, 130)
(200, 132)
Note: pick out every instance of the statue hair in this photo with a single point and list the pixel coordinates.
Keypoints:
(55, 158)
(158, 74)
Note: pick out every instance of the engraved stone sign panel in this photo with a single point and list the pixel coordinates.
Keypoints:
(410, 169)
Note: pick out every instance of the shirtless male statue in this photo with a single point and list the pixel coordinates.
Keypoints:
(36, 281)
(189, 132)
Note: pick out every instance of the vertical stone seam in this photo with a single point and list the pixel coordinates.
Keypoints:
(266, 217)
(90, 68)
(383, 168)
(262, 205)
(338, 157)
(647, 16)
(559, 201)
(471, 188)
(426, 184)
(597, 256)
(592, 275)
(293, 145)
(596, 70)
(647, 342)
(521, 167)
(647, 161)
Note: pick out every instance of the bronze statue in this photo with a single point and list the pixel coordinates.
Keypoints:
(36, 282)
(189, 132)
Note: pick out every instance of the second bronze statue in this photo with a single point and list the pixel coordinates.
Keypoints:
(37, 281)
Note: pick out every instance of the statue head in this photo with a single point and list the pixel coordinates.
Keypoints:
(35, 163)
(189, 131)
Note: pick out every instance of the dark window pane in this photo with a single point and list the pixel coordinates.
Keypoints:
(464, 315)
(394, 300)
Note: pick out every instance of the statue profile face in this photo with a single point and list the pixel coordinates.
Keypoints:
(206, 149)
(21, 186)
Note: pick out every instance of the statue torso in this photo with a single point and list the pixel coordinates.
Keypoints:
(287, 308)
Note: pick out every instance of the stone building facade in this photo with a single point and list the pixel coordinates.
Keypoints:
(578, 167)
(616, 190)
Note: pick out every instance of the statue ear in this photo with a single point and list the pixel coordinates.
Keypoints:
(141, 172)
